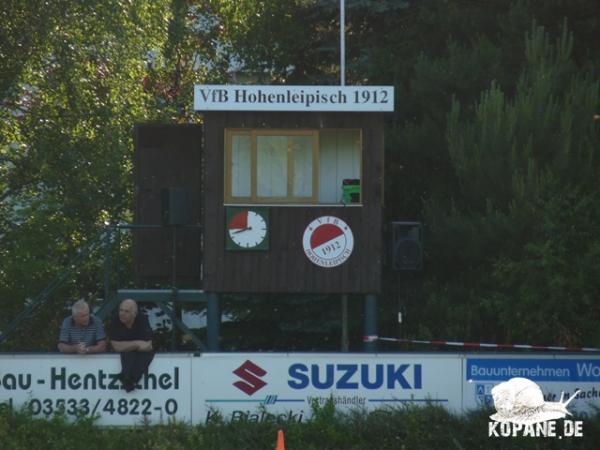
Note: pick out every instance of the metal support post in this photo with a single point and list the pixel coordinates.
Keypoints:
(213, 318)
(345, 344)
(175, 333)
(370, 322)
(107, 261)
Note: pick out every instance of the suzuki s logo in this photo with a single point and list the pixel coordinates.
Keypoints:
(250, 373)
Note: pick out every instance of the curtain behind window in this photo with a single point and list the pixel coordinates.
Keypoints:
(241, 157)
(271, 162)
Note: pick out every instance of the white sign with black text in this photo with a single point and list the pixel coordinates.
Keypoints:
(209, 97)
(88, 385)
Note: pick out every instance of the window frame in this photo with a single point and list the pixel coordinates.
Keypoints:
(290, 199)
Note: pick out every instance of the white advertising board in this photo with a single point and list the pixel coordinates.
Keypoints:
(262, 386)
(49, 383)
(244, 386)
(281, 386)
(553, 374)
(212, 97)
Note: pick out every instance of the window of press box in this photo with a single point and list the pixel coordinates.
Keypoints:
(293, 166)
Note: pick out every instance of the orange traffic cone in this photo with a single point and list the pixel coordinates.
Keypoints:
(280, 443)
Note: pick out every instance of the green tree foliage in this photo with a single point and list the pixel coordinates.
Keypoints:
(71, 91)
(519, 248)
(298, 41)
(491, 145)
(192, 52)
(281, 41)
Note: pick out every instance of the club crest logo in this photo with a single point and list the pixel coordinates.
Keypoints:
(328, 241)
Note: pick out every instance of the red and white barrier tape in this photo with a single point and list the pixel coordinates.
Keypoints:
(483, 345)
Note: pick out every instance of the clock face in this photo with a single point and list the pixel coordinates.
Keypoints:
(247, 229)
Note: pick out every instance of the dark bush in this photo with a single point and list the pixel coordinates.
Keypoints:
(428, 427)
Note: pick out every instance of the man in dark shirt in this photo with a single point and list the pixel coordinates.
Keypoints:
(82, 332)
(131, 336)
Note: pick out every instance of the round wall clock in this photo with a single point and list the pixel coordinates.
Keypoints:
(328, 241)
(247, 229)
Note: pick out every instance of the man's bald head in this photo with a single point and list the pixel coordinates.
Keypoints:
(128, 310)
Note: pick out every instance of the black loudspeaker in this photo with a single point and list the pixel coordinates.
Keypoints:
(407, 246)
(174, 206)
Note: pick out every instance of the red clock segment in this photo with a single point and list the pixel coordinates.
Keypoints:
(247, 230)
(239, 221)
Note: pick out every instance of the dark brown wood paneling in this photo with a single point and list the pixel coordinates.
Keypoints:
(284, 267)
(167, 156)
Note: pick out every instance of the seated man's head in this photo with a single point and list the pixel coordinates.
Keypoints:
(81, 313)
(127, 312)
